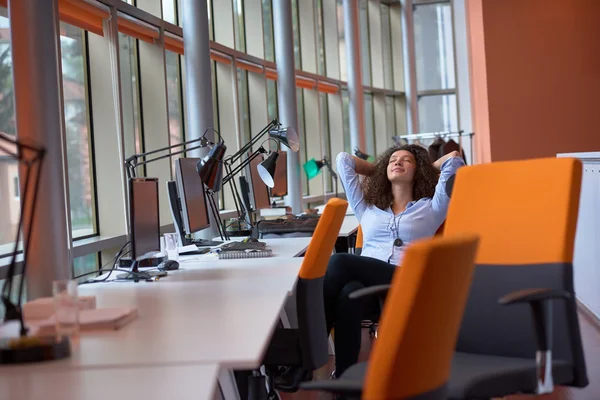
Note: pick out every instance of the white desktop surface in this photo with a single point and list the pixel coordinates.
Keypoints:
(222, 321)
(349, 226)
(191, 382)
(349, 210)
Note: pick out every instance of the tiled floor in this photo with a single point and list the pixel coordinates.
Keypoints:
(591, 345)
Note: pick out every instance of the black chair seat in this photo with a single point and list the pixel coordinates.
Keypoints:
(476, 376)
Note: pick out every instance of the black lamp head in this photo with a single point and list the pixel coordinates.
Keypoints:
(266, 169)
(210, 167)
(287, 136)
(360, 154)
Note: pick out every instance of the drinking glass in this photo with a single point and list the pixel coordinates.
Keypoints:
(171, 246)
(66, 308)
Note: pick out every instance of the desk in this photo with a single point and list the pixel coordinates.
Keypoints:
(349, 210)
(196, 382)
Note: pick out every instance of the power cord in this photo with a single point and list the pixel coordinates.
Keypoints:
(141, 275)
(114, 261)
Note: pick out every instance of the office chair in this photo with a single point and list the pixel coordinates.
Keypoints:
(430, 290)
(306, 346)
(526, 215)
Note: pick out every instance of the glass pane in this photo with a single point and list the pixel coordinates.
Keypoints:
(438, 113)
(341, 41)
(326, 136)
(390, 116)
(211, 30)
(386, 44)
(302, 136)
(267, 9)
(16, 281)
(434, 47)
(272, 105)
(369, 127)
(80, 163)
(365, 48)
(130, 97)
(320, 39)
(346, 121)
(9, 171)
(296, 29)
(169, 11)
(244, 109)
(83, 265)
(238, 25)
(174, 103)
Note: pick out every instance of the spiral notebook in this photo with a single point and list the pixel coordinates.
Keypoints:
(231, 254)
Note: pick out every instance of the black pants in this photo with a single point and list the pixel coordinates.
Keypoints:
(345, 274)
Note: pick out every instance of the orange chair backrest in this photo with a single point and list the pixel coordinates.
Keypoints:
(524, 211)
(421, 318)
(359, 238)
(323, 239)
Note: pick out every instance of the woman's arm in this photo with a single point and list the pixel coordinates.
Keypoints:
(348, 169)
(363, 167)
(448, 165)
(438, 163)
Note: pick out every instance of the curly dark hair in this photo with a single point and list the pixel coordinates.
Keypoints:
(377, 188)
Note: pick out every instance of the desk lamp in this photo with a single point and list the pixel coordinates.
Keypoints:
(281, 135)
(25, 349)
(210, 167)
(312, 168)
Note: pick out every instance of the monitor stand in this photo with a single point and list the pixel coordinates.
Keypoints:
(136, 275)
(175, 206)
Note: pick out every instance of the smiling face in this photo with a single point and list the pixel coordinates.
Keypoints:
(401, 167)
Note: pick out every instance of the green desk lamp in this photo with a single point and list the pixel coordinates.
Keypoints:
(312, 168)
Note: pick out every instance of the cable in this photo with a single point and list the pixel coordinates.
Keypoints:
(142, 274)
(114, 260)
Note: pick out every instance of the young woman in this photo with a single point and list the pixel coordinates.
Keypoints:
(402, 198)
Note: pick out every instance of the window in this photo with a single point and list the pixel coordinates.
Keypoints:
(302, 137)
(326, 136)
(243, 107)
(320, 40)
(267, 9)
(438, 113)
(9, 170)
(369, 128)
(77, 129)
(342, 41)
(436, 85)
(130, 96)
(434, 47)
(238, 25)
(17, 189)
(175, 103)
(365, 48)
(169, 11)
(346, 121)
(84, 265)
(296, 30)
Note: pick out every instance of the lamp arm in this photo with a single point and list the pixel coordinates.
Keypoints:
(132, 161)
(242, 165)
(236, 197)
(253, 141)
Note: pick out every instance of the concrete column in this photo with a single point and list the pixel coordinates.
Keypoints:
(355, 87)
(39, 114)
(286, 94)
(198, 82)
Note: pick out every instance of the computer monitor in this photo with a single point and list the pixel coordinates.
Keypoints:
(144, 217)
(194, 211)
(260, 191)
(280, 188)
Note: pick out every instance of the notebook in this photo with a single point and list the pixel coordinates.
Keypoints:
(97, 319)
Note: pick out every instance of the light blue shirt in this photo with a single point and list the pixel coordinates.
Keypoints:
(381, 228)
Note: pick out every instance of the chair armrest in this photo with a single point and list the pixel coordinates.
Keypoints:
(541, 308)
(338, 386)
(533, 295)
(370, 291)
